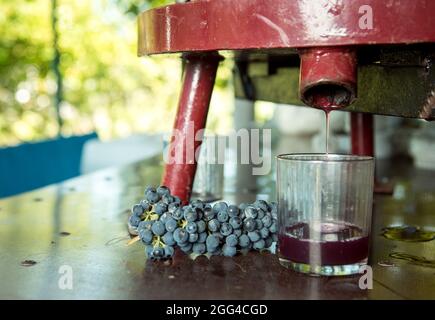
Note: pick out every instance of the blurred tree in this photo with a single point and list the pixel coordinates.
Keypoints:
(134, 7)
(25, 85)
(107, 88)
(58, 96)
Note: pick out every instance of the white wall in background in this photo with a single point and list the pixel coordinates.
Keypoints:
(297, 123)
(422, 146)
(103, 154)
(296, 120)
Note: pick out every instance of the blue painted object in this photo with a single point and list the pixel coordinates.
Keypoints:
(34, 165)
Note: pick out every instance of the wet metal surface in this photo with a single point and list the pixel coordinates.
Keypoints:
(408, 233)
(93, 210)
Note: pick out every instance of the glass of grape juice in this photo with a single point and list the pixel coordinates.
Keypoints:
(325, 208)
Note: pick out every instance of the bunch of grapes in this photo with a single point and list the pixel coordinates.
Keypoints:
(163, 223)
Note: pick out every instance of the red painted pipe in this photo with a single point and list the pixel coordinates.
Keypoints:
(328, 77)
(362, 136)
(198, 81)
(363, 144)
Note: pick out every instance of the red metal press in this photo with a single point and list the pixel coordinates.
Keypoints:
(363, 56)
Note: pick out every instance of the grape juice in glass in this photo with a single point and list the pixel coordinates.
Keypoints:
(324, 212)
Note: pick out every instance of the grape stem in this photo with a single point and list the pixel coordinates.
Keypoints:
(157, 242)
(182, 223)
(133, 240)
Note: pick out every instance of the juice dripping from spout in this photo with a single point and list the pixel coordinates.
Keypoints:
(327, 131)
(326, 102)
(327, 110)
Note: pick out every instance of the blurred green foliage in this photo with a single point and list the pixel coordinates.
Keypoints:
(134, 7)
(107, 88)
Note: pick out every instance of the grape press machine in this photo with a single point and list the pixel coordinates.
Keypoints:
(363, 56)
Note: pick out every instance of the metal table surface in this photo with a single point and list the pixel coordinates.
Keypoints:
(81, 223)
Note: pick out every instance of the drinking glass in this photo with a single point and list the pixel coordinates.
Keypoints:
(209, 176)
(325, 208)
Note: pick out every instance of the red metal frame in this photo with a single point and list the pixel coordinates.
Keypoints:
(362, 134)
(326, 33)
(328, 77)
(198, 81)
(363, 144)
(205, 25)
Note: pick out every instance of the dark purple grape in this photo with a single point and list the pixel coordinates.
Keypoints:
(214, 225)
(137, 210)
(169, 251)
(197, 204)
(160, 208)
(202, 237)
(163, 191)
(229, 251)
(261, 204)
(232, 240)
(254, 236)
(212, 242)
(237, 232)
(249, 224)
(186, 248)
(226, 229)
(158, 253)
(208, 214)
(177, 200)
(145, 225)
(193, 237)
(168, 239)
(145, 205)
(259, 245)
(177, 214)
(189, 213)
(273, 228)
(220, 206)
(244, 241)
(172, 207)
(158, 228)
(236, 222)
(201, 226)
(268, 242)
(222, 216)
(181, 236)
(251, 212)
(260, 214)
(233, 211)
(167, 199)
(134, 220)
(198, 248)
(267, 221)
(148, 189)
(259, 224)
(264, 232)
(191, 227)
(146, 236)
